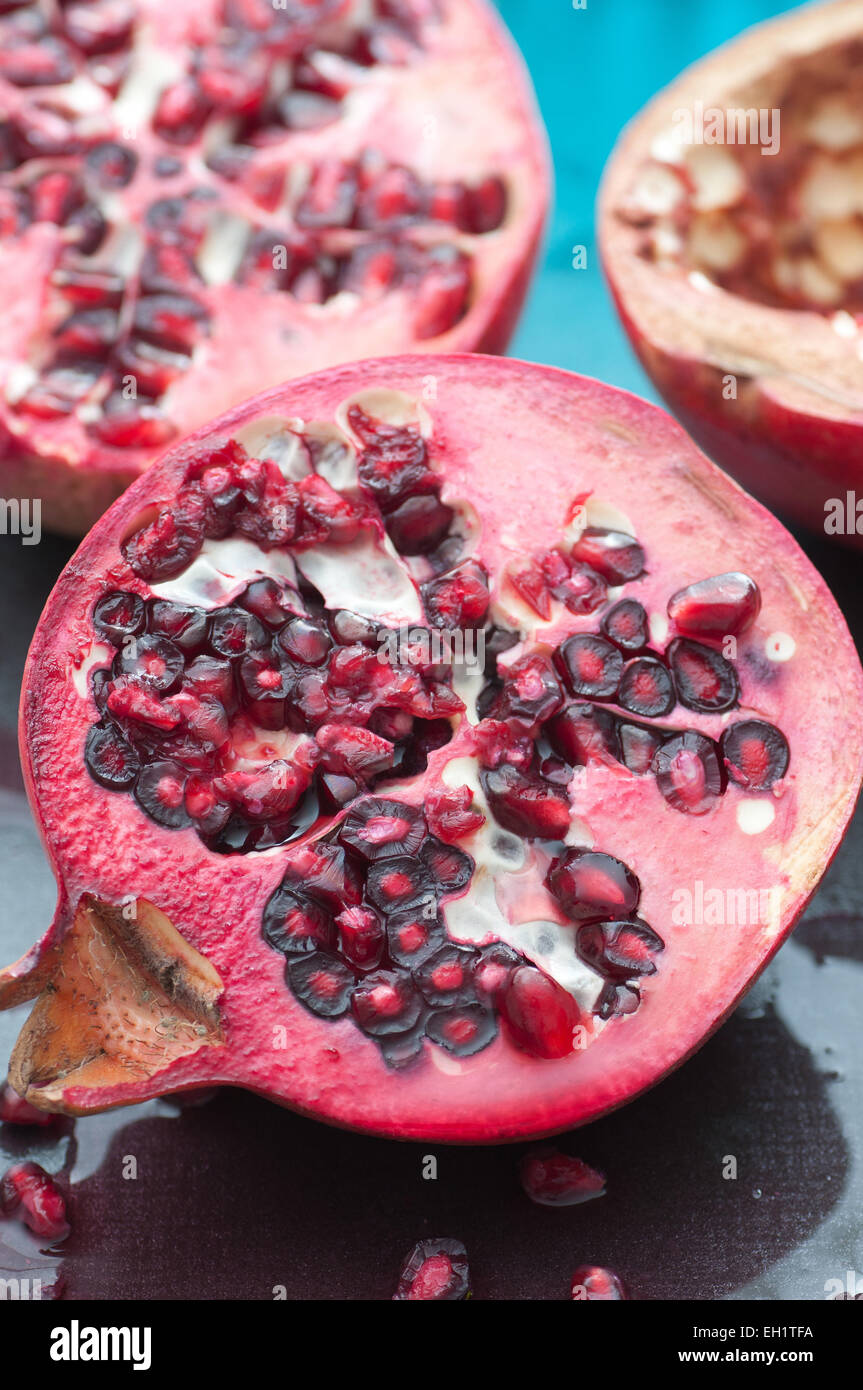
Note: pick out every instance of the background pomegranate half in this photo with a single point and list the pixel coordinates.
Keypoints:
(302, 851)
(200, 200)
(739, 274)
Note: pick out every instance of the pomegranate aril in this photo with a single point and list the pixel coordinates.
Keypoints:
(412, 936)
(463, 1029)
(83, 286)
(327, 871)
(119, 614)
(531, 692)
(617, 557)
(525, 804)
(626, 626)
(646, 688)
(207, 675)
(400, 1050)
(419, 524)
(336, 791)
(486, 206)
(352, 751)
(128, 699)
(578, 587)
(15, 1110)
(86, 229)
(755, 754)
(265, 683)
(234, 632)
(394, 196)
(493, 967)
(330, 198)
(434, 1269)
(386, 1002)
(295, 924)
(172, 321)
(583, 734)
(705, 681)
(589, 884)
(210, 813)
(273, 603)
(451, 814)
(142, 424)
(321, 981)
(185, 625)
(593, 1284)
(450, 868)
(45, 63)
(590, 665)
(110, 758)
(689, 772)
(99, 26)
(160, 792)
(620, 949)
(553, 1179)
(638, 747)
(87, 333)
(110, 164)
(724, 606)
(443, 292)
(399, 882)
(32, 1195)
(167, 545)
(529, 583)
(445, 977)
(378, 829)
(540, 1014)
(459, 599)
(361, 937)
(153, 368)
(154, 661)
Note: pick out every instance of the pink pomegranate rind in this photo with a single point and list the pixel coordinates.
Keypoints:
(158, 937)
(209, 199)
(733, 271)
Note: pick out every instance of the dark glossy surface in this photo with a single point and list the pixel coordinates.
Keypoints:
(237, 1197)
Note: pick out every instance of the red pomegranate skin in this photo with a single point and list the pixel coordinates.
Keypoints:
(767, 381)
(144, 909)
(433, 178)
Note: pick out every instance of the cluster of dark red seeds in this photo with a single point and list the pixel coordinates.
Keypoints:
(544, 716)
(122, 339)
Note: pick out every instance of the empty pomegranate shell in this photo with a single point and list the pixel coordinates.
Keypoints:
(489, 932)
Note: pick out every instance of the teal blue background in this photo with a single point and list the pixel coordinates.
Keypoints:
(593, 69)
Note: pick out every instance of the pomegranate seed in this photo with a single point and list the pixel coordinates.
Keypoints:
(434, 1269)
(28, 1192)
(525, 804)
(591, 666)
(646, 688)
(330, 199)
(626, 626)
(530, 584)
(46, 63)
(322, 982)
(352, 751)
(584, 734)
(493, 968)
(135, 424)
(412, 936)
(419, 524)
(394, 196)
(110, 758)
(167, 545)
(451, 814)
(451, 869)
(160, 792)
(531, 692)
(110, 164)
(589, 884)
(445, 977)
(590, 1282)
(361, 937)
(619, 949)
(442, 295)
(617, 999)
(486, 206)
(553, 1179)
(174, 321)
(689, 773)
(580, 588)
(295, 924)
(274, 603)
(617, 557)
(386, 1002)
(755, 754)
(118, 615)
(726, 605)
(14, 1110)
(638, 747)
(459, 599)
(464, 1029)
(378, 829)
(399, 882)
(89, 287)
(704, 680)
(540, 1014)
(100, 25)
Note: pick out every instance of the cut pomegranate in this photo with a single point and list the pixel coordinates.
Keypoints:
(435, 1269)
(419, 895)
(739, 278)
(553, 1179)
(245, 217)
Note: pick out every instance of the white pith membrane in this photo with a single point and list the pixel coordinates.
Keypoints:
(287, 106)
(506, 899)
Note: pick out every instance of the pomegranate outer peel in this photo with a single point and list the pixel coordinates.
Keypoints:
(460, 108)
(496, 426)
(792, 434)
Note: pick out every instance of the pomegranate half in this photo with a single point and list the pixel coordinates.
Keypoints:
(438, 746)
(198, 201)
(731, 225)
